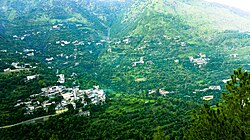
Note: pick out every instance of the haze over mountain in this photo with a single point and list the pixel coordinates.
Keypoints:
(240, 4)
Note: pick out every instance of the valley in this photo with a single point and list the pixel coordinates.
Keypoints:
(154, 62)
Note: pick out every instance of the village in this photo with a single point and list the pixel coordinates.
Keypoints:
(114, 49)
(60, 97)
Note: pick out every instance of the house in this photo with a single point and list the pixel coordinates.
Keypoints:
(138, 62)
(191, 58)
(7, 70)
(49, 59)
(30, 108)
(31, 77)
(140, 79)
(67, 96)
(207, 98)
(16, 65)
(64, 103)
(214, 87)
(73, 104)
(98, 44)
(55, 88)
(234, 55)
(96, 87)
(176, 61)
(202, 55)
(3, 51)
(28, 50)
(117, 43)
(226, 80)
(78, 25)
(152, 91)
(75, 42)
(183, 44)
(55, 26)
(65, 42)
(126, 41)
(163, 92)
(33, 95)
(30, 54)
(61, 78)
(47, 104)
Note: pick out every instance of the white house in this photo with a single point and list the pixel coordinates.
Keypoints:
(31, 77)
(49, 59)
(61, 78)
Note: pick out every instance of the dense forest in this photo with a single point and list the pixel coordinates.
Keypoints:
(131, 116)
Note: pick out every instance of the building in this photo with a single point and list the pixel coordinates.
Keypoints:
(61, 78)
(207, 98)
(49, 59)
(31, 77)
(214, 87)
(163, 92)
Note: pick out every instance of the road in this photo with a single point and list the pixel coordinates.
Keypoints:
(29, 121)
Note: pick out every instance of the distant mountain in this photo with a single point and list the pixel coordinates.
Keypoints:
(233, 9)
(197, 13)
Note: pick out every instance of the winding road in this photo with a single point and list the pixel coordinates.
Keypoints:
(44, 118)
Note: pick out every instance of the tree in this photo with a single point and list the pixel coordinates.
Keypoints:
(159, 135)
(229, 119)
(237, 102)
(54, 137)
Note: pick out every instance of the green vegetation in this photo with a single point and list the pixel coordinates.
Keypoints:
(156, 60)
(15, 86)
(230, 119)
(124, 116)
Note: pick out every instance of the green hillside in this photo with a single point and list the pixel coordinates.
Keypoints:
(154, 60)
(201, 15)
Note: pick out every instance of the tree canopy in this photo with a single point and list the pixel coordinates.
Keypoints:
(229, 119)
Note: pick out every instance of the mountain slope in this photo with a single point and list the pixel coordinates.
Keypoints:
(172, 45)
(161, 57)
(199, 14)
(151, 41)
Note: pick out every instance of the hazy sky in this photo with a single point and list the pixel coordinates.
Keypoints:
(241, 4)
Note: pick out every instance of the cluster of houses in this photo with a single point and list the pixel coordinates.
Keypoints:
(209, 88)
(202, 60)
(209, 97)
(18, 67)
(161, 92)
(60, 97)
(81, 43)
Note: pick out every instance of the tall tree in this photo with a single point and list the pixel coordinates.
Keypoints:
(229, 119)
